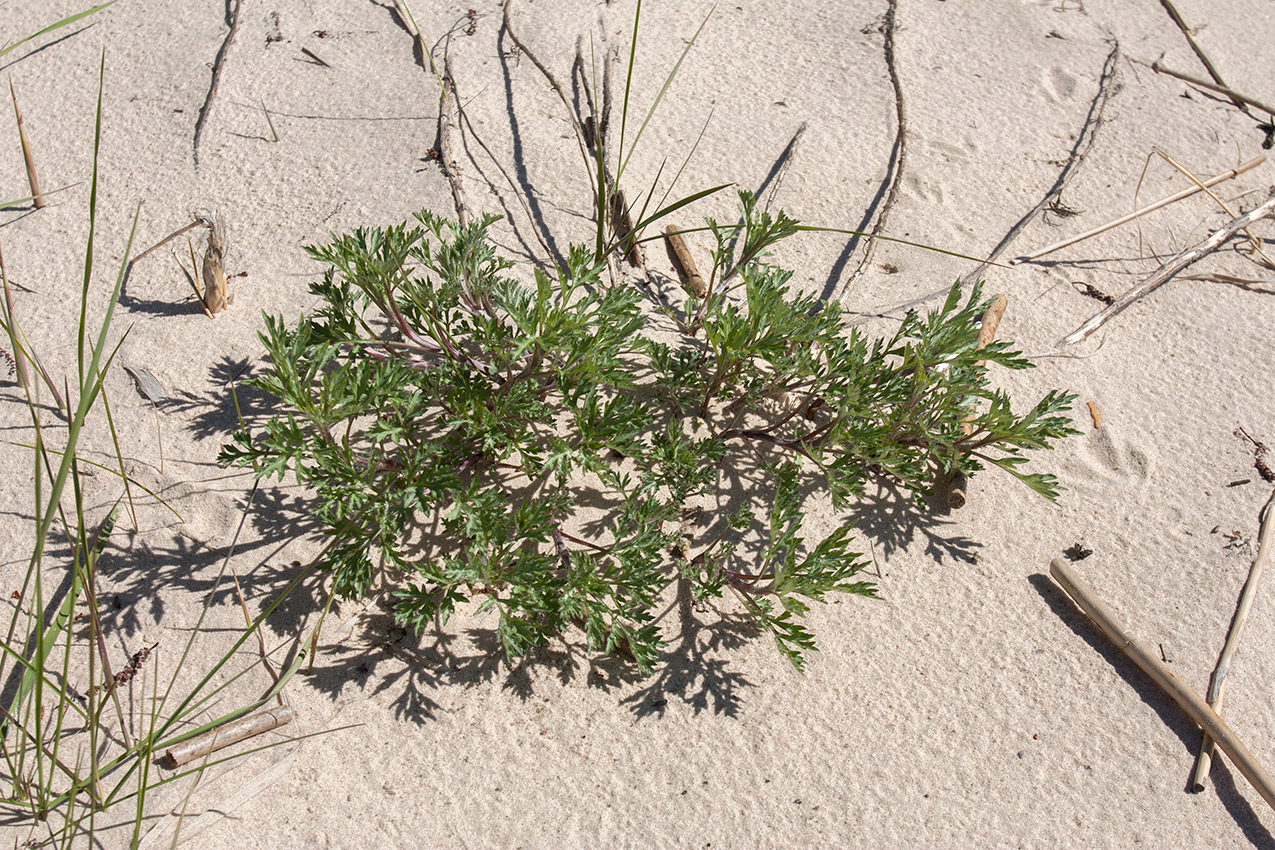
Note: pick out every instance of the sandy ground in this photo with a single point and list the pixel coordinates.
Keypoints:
(973, 705)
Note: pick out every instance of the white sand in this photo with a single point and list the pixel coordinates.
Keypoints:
(973, 706)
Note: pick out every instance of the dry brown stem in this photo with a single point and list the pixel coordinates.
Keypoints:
(1142, 655)
(888, 27)
(1084, 144)
(1163, 202)
(1159, 68)
(1171, 268)
(684, 262)
(1217, 682)
(232, 20)
(1199, 52)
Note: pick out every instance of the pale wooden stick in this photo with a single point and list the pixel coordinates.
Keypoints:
(1217, 682)
(1171, 268)
(991, 320)
(228, 733)
(684, 261)
(1125, 219)
(1159, 68)
(1142, 655)
(37, 197)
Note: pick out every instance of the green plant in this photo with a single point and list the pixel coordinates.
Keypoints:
(66, 751)
(566, 436)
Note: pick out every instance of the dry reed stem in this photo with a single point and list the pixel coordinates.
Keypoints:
(1163, 274)
(1199, 52)
(1125, 219)
(1185, 172)
(232, 732)
(1217, 682)
(446, 151)
(37, 197)
(1159, 68)
(990, 322)
(1142, 655)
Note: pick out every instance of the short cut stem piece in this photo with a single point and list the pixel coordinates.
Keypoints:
(223, 736)
(1146, 658)
(1163, 274)
(684, 262)
(1217, 682)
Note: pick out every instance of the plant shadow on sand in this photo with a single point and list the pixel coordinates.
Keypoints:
(1221, 778)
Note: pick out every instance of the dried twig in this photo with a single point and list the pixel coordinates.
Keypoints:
(223, 736)
(1217, 682)
(446, 150)
(1159, 68)
(37, 197)
(1084, 144)
(1163, 202)
(900, 149)
(1199, 52)
(684, 262)
(956, 497)
(1145, 658)
(1185, 172)
(232, 20)
(553, 83)
(1169, 269)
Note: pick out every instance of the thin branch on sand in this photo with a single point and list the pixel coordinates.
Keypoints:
(1217, 682)
(1084, 144)
(900, 149)
(553, 83)
(1171, 268)
(1159, 68)
(232, 19)
(1199, 52)
(1163, 202)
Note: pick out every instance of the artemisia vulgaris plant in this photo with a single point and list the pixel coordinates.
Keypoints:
(565, 451)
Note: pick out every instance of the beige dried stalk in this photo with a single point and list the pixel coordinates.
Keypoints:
(215, 295)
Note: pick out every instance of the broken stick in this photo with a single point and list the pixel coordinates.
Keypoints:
(223, 736)
(1217, 682)
(1163, 274)
(1163, 202)
(684, 262)
(991, 320)
(1147, 659)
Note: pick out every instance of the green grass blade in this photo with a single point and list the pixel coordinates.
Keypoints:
(70, 19)
(668, 81)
